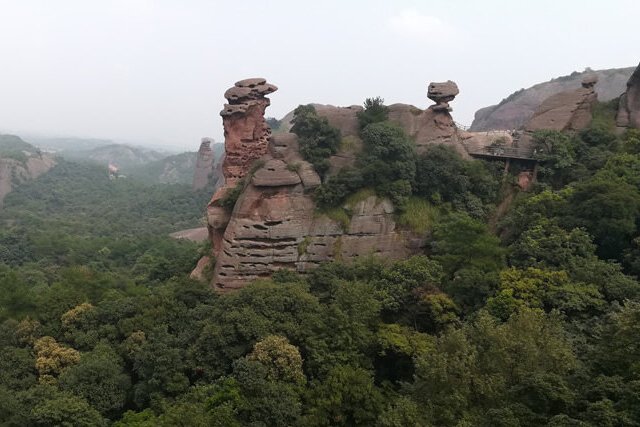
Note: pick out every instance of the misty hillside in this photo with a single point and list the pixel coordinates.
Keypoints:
(175, 169)
(124, 156)
(12, 146)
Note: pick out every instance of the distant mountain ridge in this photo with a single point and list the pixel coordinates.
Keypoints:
(514, 111)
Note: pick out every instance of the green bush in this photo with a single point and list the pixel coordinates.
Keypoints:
(374, 112)
(388, 161)
(419, 215)
(318, 140)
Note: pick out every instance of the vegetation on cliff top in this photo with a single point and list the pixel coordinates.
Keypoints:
(317, 138)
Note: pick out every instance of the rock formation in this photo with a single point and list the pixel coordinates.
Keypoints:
(246, 136)
(274, 223)
(566, 111)
(204, 165)
(246, 132)
(26, 163)
(442, 94)
(629, 107)
(516, 110)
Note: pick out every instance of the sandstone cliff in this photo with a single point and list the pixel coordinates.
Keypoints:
(274, 222)
(204, 168)
(565, 111)
(515, 110)
(629, 107)
(20, 162)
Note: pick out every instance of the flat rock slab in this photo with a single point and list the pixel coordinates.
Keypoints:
(275, 174)
(200, 234)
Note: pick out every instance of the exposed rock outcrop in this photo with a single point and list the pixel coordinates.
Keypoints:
(566, 111)
(19, 163)
(246, 132)
(246, 136)
(629, 107)
(204, 165)
(442, 94)
(516, 110)
(274, 223)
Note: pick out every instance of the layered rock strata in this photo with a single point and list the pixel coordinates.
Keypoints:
(275, 223)
(246, 136)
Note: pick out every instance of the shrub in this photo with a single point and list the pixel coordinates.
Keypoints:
(419, 215)
(333, 192)
(229, 200)
(317, 138)
(374, 112)
(388, 162)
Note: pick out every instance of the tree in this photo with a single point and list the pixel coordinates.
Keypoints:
(460, 242)
(488, 373)
(388, 161)
(608, 210)
(547, 290)
(317, 138)
(374, 112)
(554, 150)
(65, 410)
(99, 378)
(282, 360)
(52, 359)
(347, 397)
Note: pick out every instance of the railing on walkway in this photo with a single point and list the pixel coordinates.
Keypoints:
(500, 152)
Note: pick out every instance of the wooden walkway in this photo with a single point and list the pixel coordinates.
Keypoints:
(503, 153)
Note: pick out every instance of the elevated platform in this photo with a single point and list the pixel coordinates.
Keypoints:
(502, 153)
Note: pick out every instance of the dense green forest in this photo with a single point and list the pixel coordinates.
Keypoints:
(527, 318)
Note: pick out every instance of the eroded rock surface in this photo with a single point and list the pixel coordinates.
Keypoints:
(629, 107)
(246, 133)
(15, 172)
(204, 165)
(275, 223)
(442, 94)
(518, 108)
(566, 111)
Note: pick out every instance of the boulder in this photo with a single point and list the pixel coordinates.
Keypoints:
(442, 94)
(275, 173)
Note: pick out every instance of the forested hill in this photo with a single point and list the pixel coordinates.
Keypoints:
(71, 213)
(523, 316)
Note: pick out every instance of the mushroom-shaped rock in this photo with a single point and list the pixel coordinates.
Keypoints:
(442, 94)
(589, 80)
(275, 174)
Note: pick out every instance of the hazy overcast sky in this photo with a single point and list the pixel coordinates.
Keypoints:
(155, 70)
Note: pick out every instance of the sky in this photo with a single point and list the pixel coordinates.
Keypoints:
(154, 71)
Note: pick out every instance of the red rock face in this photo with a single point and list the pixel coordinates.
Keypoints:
(246, 133)
(246, 139)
